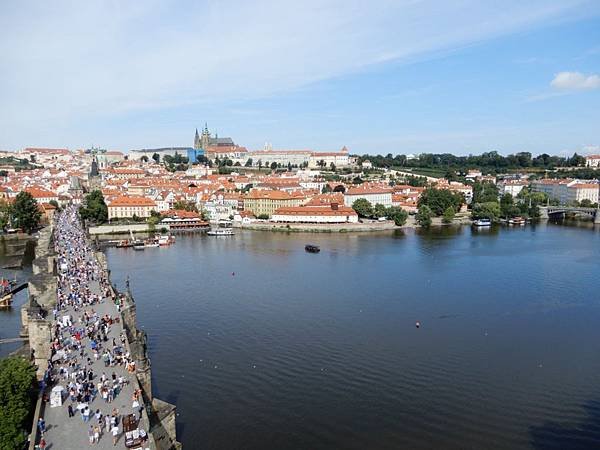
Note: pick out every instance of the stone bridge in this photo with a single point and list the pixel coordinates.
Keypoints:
(547, 211)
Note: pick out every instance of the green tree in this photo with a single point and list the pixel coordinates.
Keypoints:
(5, 213)
(485, 192)
(26, 212)
(94, 208)
(506, 205)
(17, 393)
(152, 222)
(339, 188)
(248, 163)
(156, 158)
(326, 189)
(332, 166)
(448, 216)
(439, 200)
(144, 159)
(424, 215)
(486, 210)
(273, 165)
(263, 217)
(363, 207)
(379, 211)
(185, 205)
(397, 214)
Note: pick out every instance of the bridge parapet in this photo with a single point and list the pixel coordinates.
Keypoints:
(546, 211)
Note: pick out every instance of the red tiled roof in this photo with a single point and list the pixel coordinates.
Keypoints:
(131, 201)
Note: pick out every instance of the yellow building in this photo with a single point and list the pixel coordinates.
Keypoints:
(130, 206)
(267, 201)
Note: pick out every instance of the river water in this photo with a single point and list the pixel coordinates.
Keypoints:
(262, 345)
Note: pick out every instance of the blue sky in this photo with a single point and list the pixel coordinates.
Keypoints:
(403, 76)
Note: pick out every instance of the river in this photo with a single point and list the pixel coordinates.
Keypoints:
(262, 345)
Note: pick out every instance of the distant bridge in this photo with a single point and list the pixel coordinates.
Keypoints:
(548, 211)
(11, 340)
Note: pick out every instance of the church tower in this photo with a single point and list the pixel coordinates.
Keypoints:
(197, 144)
(205, 139)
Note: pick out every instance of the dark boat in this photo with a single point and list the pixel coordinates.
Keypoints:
(312, 248)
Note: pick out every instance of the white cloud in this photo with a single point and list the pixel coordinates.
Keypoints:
(575, 81)
(67, 63)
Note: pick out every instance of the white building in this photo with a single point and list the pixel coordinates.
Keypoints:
(592, 161)
(568, 191)
(315, 214)
(338, 159)
(512, 187)
(282, 157)
(374, 194)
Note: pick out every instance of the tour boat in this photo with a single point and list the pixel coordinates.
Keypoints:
(138, 245)
(482, 223)
(166, 240)
(220, 232)
(312, 248)
(516, 221)
(151, 243)
(223, 228)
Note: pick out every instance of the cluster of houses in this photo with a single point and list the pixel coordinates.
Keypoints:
(134, 186)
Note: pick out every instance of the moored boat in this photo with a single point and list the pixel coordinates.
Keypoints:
(124, 244)
(220, 232)
(517, 221)
(312, 248)
(151, 243)
(482, 223)
(222, 228)
(139, 245)
(166, 240)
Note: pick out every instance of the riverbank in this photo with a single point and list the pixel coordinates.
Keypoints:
(363, 227)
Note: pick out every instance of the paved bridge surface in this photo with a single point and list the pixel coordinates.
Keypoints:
(70, 433)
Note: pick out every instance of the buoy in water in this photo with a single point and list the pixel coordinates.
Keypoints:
(233, 274)
(418, 324)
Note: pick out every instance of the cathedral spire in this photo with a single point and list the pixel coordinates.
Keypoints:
(196, 140)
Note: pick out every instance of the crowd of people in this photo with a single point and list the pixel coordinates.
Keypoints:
(81, 337)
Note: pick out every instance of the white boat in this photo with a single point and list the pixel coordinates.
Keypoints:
(220, 232)
(516, 221)
(482, 223)
(222, 228)
(165, 240)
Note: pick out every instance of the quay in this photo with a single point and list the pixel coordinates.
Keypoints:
(82, 335)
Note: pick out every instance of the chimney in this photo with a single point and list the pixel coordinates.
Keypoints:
(334, 206)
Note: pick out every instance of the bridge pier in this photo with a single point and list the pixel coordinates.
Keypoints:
(544, 212)
(597, 217)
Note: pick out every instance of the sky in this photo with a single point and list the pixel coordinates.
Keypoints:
(399, 76)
